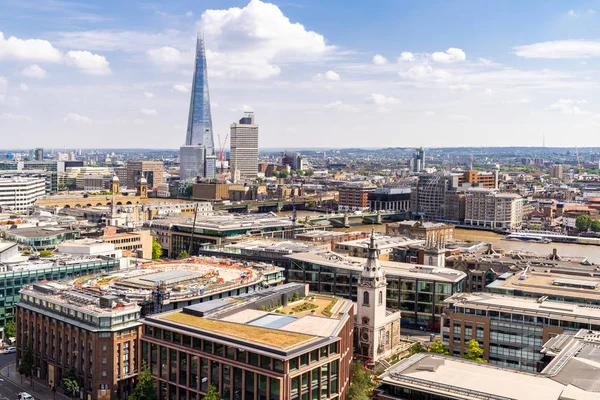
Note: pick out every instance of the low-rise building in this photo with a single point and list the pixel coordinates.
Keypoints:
(354, 197)
(247, 352)
(389, 199)
(330, 237)
(432, 232)
(385, 246)
(41, 238)
(18, 194)
(66, 329)
(136, 243)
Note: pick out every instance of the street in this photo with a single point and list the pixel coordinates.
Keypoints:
(8, 390)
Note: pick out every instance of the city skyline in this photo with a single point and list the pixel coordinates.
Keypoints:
(402, 75)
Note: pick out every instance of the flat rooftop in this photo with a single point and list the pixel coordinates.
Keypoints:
(390, 268)
(39, 232)
(322, 235)
(225, 222)
(272, 246)
(463, 379)
(382, 242)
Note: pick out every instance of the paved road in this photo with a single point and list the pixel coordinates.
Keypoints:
(6, 359)
(8, 390)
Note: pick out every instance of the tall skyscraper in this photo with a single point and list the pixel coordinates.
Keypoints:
(418, 161)
(199, 130)
(197, 155)
(244, 147)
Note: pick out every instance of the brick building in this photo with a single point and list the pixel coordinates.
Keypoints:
(353, 198)
(151, 170)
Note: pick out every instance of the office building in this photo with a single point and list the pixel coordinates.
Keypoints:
(214, 191)
(246, 352)
(191, 162)
(136, 243)
(354, 197)
(199, 128)
(389, 199)
(511, 330)
(18, 194)
(294, 160)
(38, 154)
(385, 246)
(244, 147)
(50, 178)
(487, 180)
(418, 161)
(152, 171)
(556, 171)
(18, 274)
(67, 328)
(432, 232)
(435, 197)
(417, 290)
(41, 237)
(489, 208)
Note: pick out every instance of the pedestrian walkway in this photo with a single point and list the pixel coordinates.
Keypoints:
(39, 391)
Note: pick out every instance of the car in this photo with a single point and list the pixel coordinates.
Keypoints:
(24, 396)
(10, 350)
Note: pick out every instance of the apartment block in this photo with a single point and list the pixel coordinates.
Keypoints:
(490, 209)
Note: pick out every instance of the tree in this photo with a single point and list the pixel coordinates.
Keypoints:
(212, 394)
(474, 352)
(417, 348)
(45, 253)
(144, 389)
(583, 222)
(70, 384)
(361, 383)
(156, 249)
(595, 226)
(282, 174)
(10, 329)
(189, 190)
(26, 364)
(309, 172)
(182, 255)
(438, 347)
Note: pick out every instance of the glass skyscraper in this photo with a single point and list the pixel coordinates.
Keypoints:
(199, 130)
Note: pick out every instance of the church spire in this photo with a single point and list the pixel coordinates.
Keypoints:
(372, 275)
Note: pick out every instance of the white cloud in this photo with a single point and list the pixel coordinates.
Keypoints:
(189, 14)
(460, 118)
(89, 63)
(572, 14)
(451, 55)
(329, 75)
(15, 117)
(74, 117)
(169, 56)
(3, 84)
(181, 89)
(407, 56)
(148, 95)
(252, 41)
(488, 92)
(569, 106)
(27, 50)
(246, 108)
(560, 49)
(339, 105)
(522, 100)
(429, 113)
(463, 87)
(380, 99)
(23, 87)
(426, 72)
(34, 71)
(378, 59)
(148, 111)
(138, 121)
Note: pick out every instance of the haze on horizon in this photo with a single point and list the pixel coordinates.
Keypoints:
(333, 74)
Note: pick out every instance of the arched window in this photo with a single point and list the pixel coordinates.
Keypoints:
(387, 338)
(380, 297)
(366, 298)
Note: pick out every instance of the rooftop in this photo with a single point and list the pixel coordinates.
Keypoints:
(225, 222)
(390, 268)
(382, 242)
(39, 232)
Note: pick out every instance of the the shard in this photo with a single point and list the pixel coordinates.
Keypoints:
(199, 129)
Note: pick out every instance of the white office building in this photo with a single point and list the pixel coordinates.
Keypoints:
(491, 209)
(244, 147)
(18, 194)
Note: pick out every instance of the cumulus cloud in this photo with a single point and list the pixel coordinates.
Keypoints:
(380, 99)
(462, 87)
(378, 59)
(15, 117)
(407, 56)
(169, 56)
(560, 49)
(89, 63)
(74, 117)
(522, 100)
(460, 118)
(252, 41)
(339, 105)
(450, 56)
(23, 87)
(180, 89)
(329, 75)
(426, 72)
(148, 111)
(569, 106)
(138, 121)
(34, 71)
(148, 95)
(189, 14)
(3, 84)
(13, 48)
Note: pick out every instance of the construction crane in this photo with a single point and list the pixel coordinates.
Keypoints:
(578, 161)
(222, 149)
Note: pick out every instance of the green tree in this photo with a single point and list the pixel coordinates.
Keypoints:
(474, 352)
(212, 394)
(26, 364)
(583, 222)
(10, 329)
(45, 253)
(144, 389)
(595, 225)
(309, 172)
(188, 190)
(417, 348)
(361, 384)
(156, 249)
(282, 174)
(438, 347)
(70, 383)
(182, 255)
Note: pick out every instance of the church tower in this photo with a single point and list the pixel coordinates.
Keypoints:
(142, 188)
(115, 185)
(371, 303)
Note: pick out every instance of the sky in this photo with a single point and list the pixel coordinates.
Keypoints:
(336, 73)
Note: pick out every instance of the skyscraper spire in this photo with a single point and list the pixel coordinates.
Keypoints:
(199, 129)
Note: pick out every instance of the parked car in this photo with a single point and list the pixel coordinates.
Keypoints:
(10, 350)
(24, 396)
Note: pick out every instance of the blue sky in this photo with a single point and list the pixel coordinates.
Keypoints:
(316, 73)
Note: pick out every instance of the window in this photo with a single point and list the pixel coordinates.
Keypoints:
(366, 298)
(103, 373)
(380, 297)
(104, 361)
